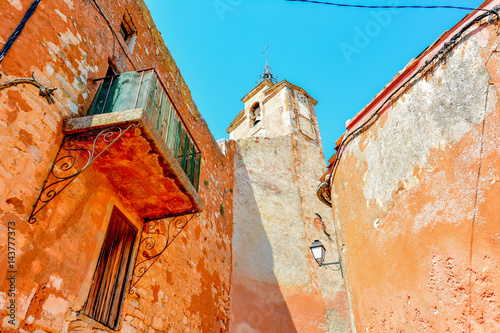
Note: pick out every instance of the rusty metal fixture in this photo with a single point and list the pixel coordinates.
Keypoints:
(45, 92)
(154, 242)
(67, 164)
(323, 193)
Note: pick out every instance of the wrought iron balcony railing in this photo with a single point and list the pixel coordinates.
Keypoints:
(144, 89)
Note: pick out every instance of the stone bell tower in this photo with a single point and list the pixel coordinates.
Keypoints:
(276, 284)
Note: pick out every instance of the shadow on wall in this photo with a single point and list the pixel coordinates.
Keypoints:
(257, 304)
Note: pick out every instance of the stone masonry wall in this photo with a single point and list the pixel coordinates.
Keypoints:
(66, 44)
(416, 198)
(277, 286)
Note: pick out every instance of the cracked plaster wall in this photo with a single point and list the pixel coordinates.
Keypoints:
(67, 43)
(414, 197)
(276, 284)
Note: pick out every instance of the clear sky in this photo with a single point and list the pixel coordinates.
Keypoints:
(341, 56)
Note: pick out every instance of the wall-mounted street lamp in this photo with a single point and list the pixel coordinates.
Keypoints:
(318, 251)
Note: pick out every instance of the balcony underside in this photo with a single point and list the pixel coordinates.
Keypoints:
(141, 167)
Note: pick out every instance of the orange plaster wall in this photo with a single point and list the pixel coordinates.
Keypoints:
(427, 259)
(259, 306)
(66, 44)
(267, 307)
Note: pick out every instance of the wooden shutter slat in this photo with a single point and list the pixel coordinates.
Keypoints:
(108, 287)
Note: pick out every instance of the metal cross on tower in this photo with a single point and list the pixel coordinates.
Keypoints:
(265, 52)
(266, 72)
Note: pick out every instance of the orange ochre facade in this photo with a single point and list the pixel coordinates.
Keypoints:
(416, 192)
(67, 44)
(181, 267)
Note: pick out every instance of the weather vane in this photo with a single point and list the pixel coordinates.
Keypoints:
(266, 72)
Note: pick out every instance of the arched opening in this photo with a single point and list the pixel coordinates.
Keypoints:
(255, 114)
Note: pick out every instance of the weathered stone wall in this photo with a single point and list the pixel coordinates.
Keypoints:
(416, 198)
(278, 118)
(276, 284)
(66, 44)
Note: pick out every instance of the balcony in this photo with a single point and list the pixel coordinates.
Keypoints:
(155, 164)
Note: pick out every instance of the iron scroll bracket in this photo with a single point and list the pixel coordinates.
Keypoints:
(156, 237)
(76, 153)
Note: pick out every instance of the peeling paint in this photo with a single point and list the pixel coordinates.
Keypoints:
(276, 285)
(435, 115)
(67, 44)
(416, 201)
(16, 4)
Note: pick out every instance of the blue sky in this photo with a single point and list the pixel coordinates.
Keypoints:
(341, 56)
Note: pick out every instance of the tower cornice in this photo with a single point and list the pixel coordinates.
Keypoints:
(237, 121)
(284, 83)
(256, 89)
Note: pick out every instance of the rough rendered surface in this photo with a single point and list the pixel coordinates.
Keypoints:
(67, 44)
(416, 198)
(276, 284)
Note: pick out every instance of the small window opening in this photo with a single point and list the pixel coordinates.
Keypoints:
(255, 114)
(99, 102)
(125, 31)
(128, 32)
(107, 292)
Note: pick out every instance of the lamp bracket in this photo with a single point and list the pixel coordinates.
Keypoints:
(338, 265)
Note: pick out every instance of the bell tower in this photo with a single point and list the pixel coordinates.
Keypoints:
(275, 109)
(276, 284)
